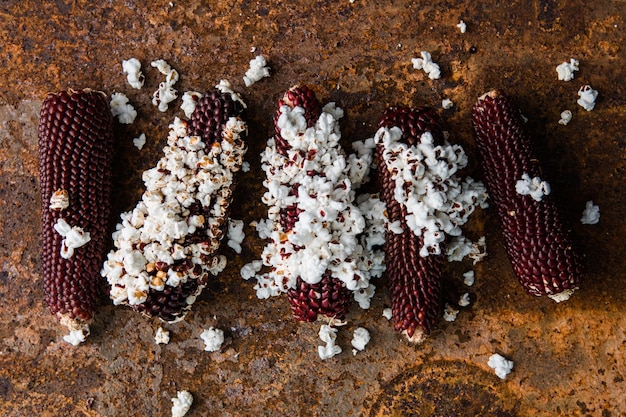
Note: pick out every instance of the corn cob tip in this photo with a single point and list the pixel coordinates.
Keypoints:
(417, 338)
(563, 295)
(78, 328)
(495, 93)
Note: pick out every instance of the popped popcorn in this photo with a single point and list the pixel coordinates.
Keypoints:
(426, 64)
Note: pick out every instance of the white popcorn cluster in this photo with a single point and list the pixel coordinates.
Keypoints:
(500, 365)
(316, 179)
(59, 200)
(181, 404)
(591, 214)
(132, 68)
(534, 187)
(73, 237)
(328, 335)
(566, 70)
(156, 231)
(587, 97)
(122, 109)
(426, 64)
(213, 339)
(166, 92)
(257, 71)
(438, 203)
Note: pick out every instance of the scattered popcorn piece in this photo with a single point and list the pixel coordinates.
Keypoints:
(587, 98)
(449, 313)
(468, 278)
(162, 336)
(250, 270)
(328, 335)
(457, 248)
(566, 117)
(462, 26)
(181, 404)
(464, 301)
(166, 92)
(74, 237)
(360, 339)
(591, 214)
(60, 200)
(132, 68)
(501, 365)
(190, 99)
(426, 64)
(213, 339)
(258, 69)
(245, 166)
(387, 313)
(253, 49)
(534, 187)
(479, 250)
(446, 103)
(566, 70)
(122, 109)
(236, 235)
(140, 141)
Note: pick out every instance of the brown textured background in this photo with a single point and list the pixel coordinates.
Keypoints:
(569, 358)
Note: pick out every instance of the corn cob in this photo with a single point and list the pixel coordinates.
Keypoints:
(314, 255)
(426, 202)
(414, 281)
(75, 149)
(538, 241)
(167, 246)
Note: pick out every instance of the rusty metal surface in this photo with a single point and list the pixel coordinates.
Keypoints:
(569, 358)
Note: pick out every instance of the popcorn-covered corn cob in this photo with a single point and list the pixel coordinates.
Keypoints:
(315, 255)
(75, 150)
(538, 241)
(167, 246)
(329, 297)
(425, 203)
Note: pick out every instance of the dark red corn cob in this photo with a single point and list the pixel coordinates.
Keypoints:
(537, 239)
(328, 298)
(75, 154)
(414, 281)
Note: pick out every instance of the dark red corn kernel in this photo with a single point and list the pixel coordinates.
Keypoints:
(75, 154)
(329, 297)
(212, 112)
(538, 241)
(414, 281)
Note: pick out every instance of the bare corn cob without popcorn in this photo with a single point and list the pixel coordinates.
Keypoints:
(167, 246)
(75, 152)
(425, 203)
(538, 241)
(314, 255)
